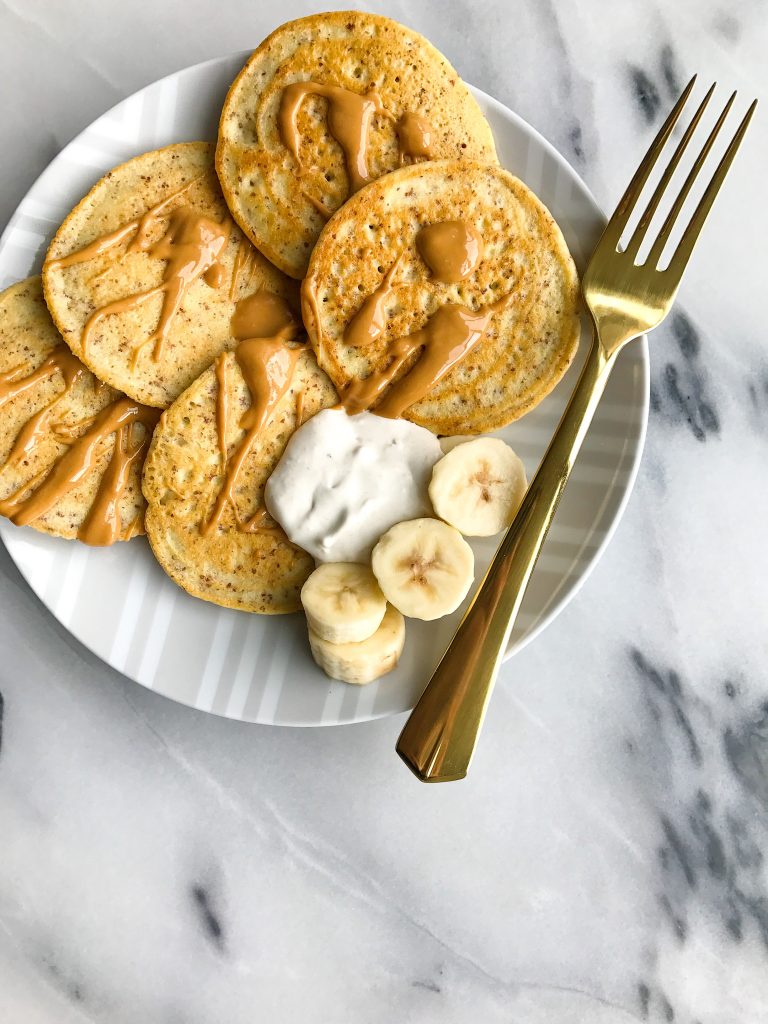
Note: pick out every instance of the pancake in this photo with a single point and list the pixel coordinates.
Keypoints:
(215, 556)
(71, 448)
(166, 236)
(420, 109)
(372, 253)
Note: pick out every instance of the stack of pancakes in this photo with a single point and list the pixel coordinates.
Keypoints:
(344, 135)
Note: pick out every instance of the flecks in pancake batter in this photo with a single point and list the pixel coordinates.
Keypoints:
(71, 449)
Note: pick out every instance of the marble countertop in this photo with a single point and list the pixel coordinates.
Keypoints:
(605, 860)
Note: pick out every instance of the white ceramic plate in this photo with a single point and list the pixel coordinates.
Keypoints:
(118, 602)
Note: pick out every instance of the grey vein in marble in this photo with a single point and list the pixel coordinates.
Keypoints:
(605, 861)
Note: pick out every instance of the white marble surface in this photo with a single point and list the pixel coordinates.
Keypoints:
(604, 863)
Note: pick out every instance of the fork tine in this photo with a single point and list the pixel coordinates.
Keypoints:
(682, 254)
(658, 246)
(642, 226)
(618, 221)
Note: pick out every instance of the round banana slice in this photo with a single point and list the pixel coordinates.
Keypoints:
(343, 602)
(424, 567)
(365, 661)
(478, 486)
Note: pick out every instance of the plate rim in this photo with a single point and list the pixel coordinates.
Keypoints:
(636, 456)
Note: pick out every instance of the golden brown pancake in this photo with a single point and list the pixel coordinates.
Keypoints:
(423, 109)
(371, 244)
(71, 448)
(219, 559)
(152, 310)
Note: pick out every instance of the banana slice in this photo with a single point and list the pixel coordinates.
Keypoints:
(343, 602)
(365, 661)
(450, 441)
(424, 567)
(478, 486)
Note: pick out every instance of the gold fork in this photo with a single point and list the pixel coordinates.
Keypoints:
(624, 300)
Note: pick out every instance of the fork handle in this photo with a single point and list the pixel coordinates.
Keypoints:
(439, 738)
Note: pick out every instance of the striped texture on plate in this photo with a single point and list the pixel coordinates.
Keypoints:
(118, 602)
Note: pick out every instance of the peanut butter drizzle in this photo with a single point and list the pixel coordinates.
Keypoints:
(446, 338)
(243, 267)
(102, 525)
(260, 520)
(222, 405)
(12, 383)
(300, 395)
(140, 227)
(34, 429)
(263, 315)
(325, 214)
(214, 276)
(452, 249)
(368, 322)
(267, 366)
(191, 247)
(309, 296)
(349, 121)
(38, 496)
(414, 136)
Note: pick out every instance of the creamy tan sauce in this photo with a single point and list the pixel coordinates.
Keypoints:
(39, 424)
(452, 249)
(191, 246)
(309, 298)
(102, 525)
(349, 120)
(214, 276)
(300, 395)
(318, 205)
(38, 496)
(15, 382)
(140, 228)
(222, 405)
(267, 365)
(262, 315)
(368, 322)
(243, 268)
(445, 340)
(415, 137)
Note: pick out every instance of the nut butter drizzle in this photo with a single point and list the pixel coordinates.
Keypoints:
(243, 268)
(446, 338)
(414, 136)
(263, 324)
(318, 205)
(300, 396)
(349, 120)
(140, 228)
(368, 322)
(38, 424)
(102, 525)
(13, 382)
(309, 303)
(452, 249)
(191, 246)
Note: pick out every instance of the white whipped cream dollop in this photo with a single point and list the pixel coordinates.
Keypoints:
(343, 481)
